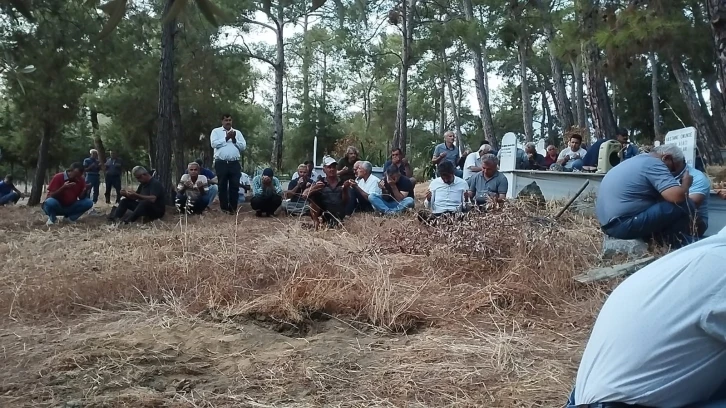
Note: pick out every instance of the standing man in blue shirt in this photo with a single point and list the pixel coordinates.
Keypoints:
(228, 143)
(92, 166)
(113, 176)
(447, 151)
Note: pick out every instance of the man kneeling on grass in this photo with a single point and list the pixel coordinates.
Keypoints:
(296, 203)
(445, 194)
(660, 337)
(66, 192)
(489, 185)
(192, 191)
(8, 192)
(396, 193)
(148, 201)
(267, 193)
(328, 197)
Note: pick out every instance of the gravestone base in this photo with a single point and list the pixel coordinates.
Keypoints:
(633, 248)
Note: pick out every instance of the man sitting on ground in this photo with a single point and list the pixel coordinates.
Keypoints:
(244, 187)
(535, 161)
(212, 187)
(346, 165)
(401, 163)
(312, 174)
(445, 193)
(699, 193)
(472, 165)
(296, 203)
(640, 198)
(361, 188)
(570, 158)
(192, 190)
(627, 149)
(266, 194)
(8, 192)
(489, 185)
(551, 156)
(149, 200)
(328, 197)
(660, 337)
(66, 192)
(396, 193)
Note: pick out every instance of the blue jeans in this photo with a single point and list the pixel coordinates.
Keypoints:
(9, 197)
(94, 179)
(390, 207)
(53, 209)
(573, 165)
(717, 400)
(212, 193)
(667, 222)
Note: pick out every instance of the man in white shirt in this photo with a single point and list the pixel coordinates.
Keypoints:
(472, 165)
(228, 143)
(446, 193)
(660, 338)
(570, 158)
(192, 190)
(364, 184)
(312, 173)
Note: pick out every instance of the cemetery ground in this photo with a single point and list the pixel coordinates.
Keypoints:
(256, 312)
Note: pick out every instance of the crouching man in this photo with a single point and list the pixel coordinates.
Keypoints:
(66, 192)
(396, 193)
(267, 194)
(660, 337)
(148, 201)
(641, 198)
(328, 197)
(192, 190)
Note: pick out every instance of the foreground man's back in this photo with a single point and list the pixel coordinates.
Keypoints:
(660, 338)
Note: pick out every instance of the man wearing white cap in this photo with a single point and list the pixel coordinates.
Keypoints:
(472, 165)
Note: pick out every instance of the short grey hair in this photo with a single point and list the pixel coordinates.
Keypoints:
(367, 166)
(490, 158)
(449, 132)
(530, 145)
(671, 150)
(139, 170)
(93, 151)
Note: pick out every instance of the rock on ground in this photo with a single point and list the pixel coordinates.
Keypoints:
(631, 247)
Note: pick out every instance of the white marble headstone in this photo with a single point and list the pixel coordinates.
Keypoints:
(508, 156)
(541, 148)
(685, 139)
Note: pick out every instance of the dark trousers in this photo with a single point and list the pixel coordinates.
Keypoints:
(356, 202)
(196, 207)
(113, 181)
(267, 204)
(138, 209)
(94, 179)
(666, 222)
(228, 174)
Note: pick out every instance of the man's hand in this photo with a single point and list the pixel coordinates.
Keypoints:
(428, 195)
(349, 183)
(442, 155)
(382, 184)
(188, 184)
(68, 184)
(123, 193)
(230, 134)
(266, 180)
(722, 194)
(200, 184)
(404, 161)
(686, 180)
(317, 187)
(344, 169)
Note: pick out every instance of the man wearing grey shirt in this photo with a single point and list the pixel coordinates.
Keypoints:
(640, 198)
(489, 184)
(660, 338)
(447, 151)
(228, 143)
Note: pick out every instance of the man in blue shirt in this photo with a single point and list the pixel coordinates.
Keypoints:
(8, 192)
(447, 151)
(627, 151)
(699, 192)
(267, 194)
(92, 167)
(114, 169)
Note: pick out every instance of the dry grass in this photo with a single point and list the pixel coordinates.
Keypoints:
(263, 312)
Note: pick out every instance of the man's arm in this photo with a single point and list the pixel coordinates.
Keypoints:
(276, 183)
(502, 188)
(563, 158)
(663, 181)
(241, 142)
(398, 195)
(56, 186)
(257, 185)
(217, 139)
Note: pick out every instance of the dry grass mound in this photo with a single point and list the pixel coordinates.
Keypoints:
(218, 311)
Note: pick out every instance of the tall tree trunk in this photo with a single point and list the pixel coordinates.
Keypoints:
(167, 84)
(526, 102)
(41, 167)
(717, 15)
(305, 72)
(705, 139)
(180, 163)
(279, 88)
(564, 111)
(400, 134)
(602, 115)
(655, 98)
(478, 53)
(579, 91)
(454, 107)
(442, 109)
(97, 142)
(717, 108)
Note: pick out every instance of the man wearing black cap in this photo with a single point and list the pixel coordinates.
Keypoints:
(267, 193)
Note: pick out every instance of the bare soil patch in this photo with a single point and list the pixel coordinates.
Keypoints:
(227, 311)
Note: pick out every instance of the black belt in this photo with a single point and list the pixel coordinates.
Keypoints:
(227, 161)
(609, 405)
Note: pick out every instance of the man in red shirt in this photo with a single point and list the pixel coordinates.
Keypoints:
(65, 192)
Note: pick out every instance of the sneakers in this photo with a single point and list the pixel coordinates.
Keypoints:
(68, 221)
(49, 222)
